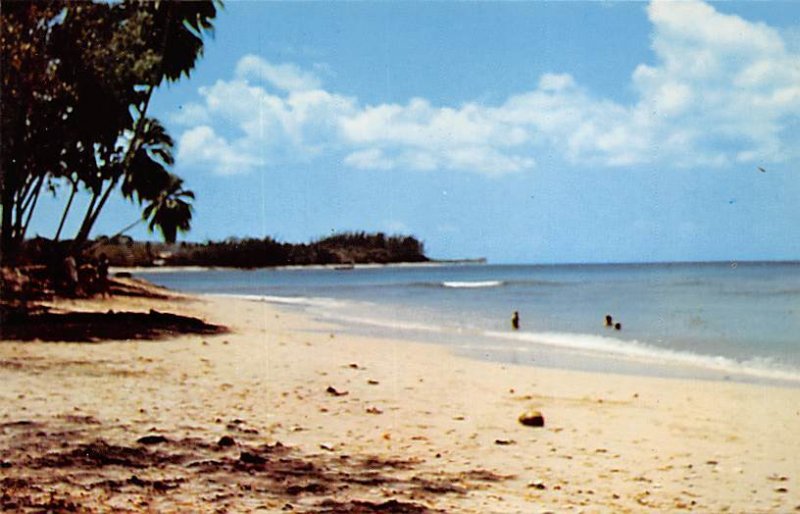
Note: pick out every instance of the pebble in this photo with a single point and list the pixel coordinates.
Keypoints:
(504, 442)
(152, 439)
(532, 418)
(251, 458)
(226, 440)
(334, 392)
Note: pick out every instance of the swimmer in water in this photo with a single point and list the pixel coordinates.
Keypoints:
(515, 320)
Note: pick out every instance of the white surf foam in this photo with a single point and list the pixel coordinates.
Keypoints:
(302, 301)
(605, 346)
(473, 284)
(587, 344)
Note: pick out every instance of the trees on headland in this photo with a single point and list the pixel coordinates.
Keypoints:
(344, 248)
(77, 79)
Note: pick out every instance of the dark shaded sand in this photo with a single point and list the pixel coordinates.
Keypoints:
(284, 413)
(60, 463)
(100, 326)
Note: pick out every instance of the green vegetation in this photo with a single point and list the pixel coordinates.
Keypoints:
(343, 249)
(77, 79)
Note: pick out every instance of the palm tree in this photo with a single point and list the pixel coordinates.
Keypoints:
(172, 40)
(148, 181)
(171, 212)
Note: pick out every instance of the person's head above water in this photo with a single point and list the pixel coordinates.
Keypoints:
(609, 320)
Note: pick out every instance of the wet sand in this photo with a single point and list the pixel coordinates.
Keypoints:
(286, 414)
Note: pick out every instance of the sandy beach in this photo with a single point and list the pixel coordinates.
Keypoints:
(283, 413)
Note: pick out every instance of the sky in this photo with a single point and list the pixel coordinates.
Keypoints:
(522, 132)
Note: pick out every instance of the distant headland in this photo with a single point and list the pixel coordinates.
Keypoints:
(345, 249)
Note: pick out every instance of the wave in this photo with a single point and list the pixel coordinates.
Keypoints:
(590, 345)
(604, 346)
(473, 284)
(303, 301)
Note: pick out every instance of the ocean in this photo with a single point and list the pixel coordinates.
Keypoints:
(719, 321)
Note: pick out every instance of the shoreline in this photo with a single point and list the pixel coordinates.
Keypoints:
(440, 430)
(539, 349)
(450, 262)
(691, 345)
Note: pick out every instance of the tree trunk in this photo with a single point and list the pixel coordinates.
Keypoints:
(7, 253)
(20, 200)
(93, 212)
(126, 228)
(88, 223)
(26, 203)
(87, 216)
(30, 209)
(66, 210)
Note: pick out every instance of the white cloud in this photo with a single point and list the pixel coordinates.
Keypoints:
(371, 159)
(556, 81)
(191, 114)
(722, 90)
(287, 77)
(201, 145)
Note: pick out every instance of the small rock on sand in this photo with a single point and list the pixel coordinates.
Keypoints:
(251, 458)
(335, 392)
(152, 439)
(532, 418)
(226, 440)
(537, 484)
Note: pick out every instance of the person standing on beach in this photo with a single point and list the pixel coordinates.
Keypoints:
(70, 271)
(515, 320)
(102, 274)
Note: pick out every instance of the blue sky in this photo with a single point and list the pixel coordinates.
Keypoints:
(521, 131)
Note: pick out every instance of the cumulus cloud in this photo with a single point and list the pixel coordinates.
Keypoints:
(371, 159)
(287, 76)
(201, 144)
(721, 90)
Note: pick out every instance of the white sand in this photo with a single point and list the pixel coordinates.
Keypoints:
(611, 443)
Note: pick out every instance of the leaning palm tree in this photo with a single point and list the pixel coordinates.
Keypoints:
(171, 212)
(148, 182)
(172, 45)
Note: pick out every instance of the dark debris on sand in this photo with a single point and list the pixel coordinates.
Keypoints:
(99, 453)
(366, 507)
(98, 326)
(48, 461)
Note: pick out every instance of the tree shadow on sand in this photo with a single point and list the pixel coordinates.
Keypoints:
(24, 325)
(54, 463)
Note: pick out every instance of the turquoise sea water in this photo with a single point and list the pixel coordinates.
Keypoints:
(738, 321)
